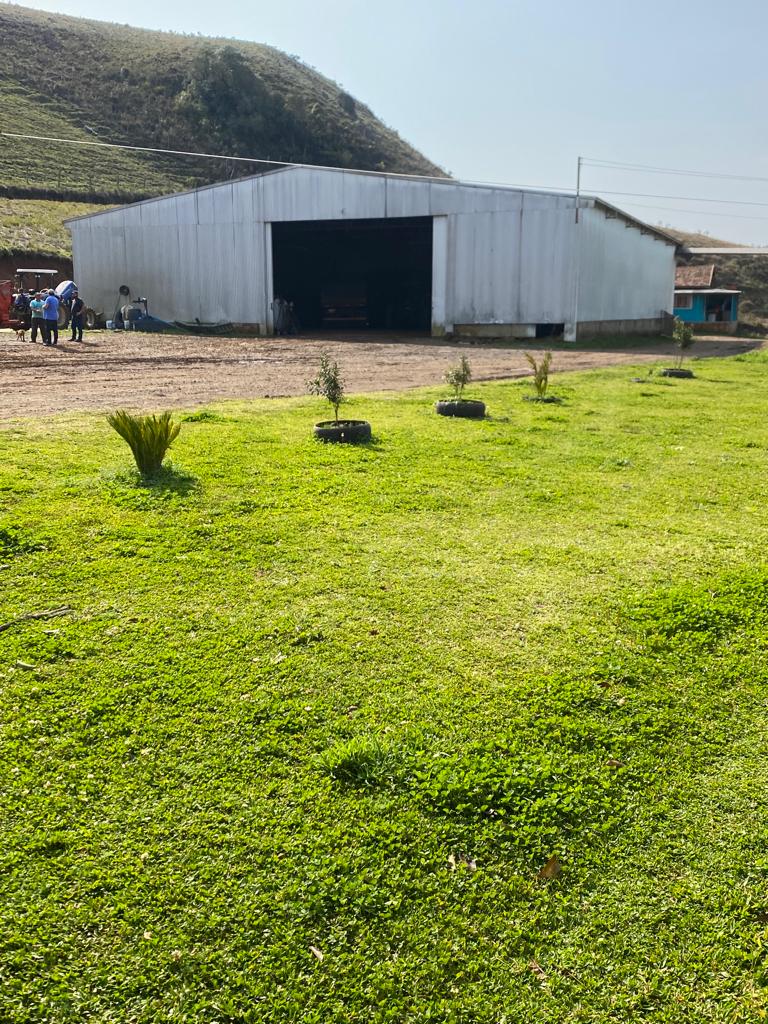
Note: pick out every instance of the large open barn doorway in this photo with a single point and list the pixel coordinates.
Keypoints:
(355, 274)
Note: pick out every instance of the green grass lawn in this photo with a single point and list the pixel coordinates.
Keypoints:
(318, 715)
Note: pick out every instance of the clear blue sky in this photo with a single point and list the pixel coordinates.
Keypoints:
(515, 90)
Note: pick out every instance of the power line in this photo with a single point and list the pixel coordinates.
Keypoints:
(685, 199)
(616, 165)
(702, 213)
(277, 164)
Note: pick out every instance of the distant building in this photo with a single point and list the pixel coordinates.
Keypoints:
(367, 250)
(699, 302)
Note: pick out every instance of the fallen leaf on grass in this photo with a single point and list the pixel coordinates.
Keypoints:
(551, 869)
(538, 970)
(316, 952)
(24, 664)
(461, 861)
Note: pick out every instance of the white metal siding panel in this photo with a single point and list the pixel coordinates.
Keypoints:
(511, 267)
(407, 198)
(624, 274)
(302, 195)
(439, 274)
(546, 284)
(245, 291)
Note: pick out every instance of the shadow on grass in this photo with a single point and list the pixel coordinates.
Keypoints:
(169, 480)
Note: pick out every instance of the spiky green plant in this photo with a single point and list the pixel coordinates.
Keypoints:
(540, 372)
(457, 377)
(328, 383)
(148, 437)
(682, 335)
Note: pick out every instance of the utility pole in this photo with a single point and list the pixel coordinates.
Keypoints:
(571, 335)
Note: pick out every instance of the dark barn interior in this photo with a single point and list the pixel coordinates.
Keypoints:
(356, 274)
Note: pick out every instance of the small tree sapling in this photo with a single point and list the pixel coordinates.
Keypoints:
(328, 383)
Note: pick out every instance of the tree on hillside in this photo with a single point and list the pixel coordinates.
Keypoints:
(227, 105)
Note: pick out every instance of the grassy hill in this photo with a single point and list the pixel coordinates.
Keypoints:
(37, 226)
(174, 92)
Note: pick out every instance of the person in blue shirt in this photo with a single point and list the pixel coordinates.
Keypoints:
(51, 319)
(38, 322)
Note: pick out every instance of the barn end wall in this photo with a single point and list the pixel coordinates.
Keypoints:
(624, 274)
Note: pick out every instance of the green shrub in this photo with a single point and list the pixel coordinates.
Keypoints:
(328, 383)
(540, 372)
(457, 377)
(148, 437)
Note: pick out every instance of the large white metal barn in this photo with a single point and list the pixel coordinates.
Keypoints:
(372, 250)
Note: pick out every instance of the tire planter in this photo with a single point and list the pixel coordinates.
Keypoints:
(345, 431)
(674, 371)
(467, 408)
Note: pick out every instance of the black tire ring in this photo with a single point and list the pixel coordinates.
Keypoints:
(467, 408)
(674, 371)
(345, 431)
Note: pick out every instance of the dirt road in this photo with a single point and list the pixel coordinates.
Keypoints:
(144, 371)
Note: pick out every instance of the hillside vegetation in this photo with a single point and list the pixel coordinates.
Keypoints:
(307, 722)
(37, 226)
(174, 92)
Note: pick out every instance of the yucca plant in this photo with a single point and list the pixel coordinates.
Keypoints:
(148, 437)
(540, 372)
(458, 376)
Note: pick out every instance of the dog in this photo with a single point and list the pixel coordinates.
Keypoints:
(21, 334)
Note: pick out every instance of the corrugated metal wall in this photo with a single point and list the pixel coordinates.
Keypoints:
(624, 274)
(508, 254)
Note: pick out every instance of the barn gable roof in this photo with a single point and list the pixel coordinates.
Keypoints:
(587, 200)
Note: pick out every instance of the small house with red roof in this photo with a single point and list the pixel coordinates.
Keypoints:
(700, 302)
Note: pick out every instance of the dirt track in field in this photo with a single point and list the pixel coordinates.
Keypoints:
(145, 372)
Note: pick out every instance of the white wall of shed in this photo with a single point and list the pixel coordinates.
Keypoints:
(509, 256)
(624, 274)
(513, 266)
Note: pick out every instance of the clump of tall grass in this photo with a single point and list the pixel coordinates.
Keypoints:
(541, 368)
(360, 761)
(148, 437)
(540, 372)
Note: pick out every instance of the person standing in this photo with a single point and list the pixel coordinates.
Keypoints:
(77, 310)
(51, 318)
(36, 312)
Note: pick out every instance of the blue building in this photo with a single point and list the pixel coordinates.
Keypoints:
(699, 302)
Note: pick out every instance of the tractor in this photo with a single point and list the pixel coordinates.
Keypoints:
(15, 313)
(14, 310)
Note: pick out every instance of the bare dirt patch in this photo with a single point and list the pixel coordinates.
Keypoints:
(142, 372)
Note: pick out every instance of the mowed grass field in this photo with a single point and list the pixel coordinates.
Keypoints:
(317, 716)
